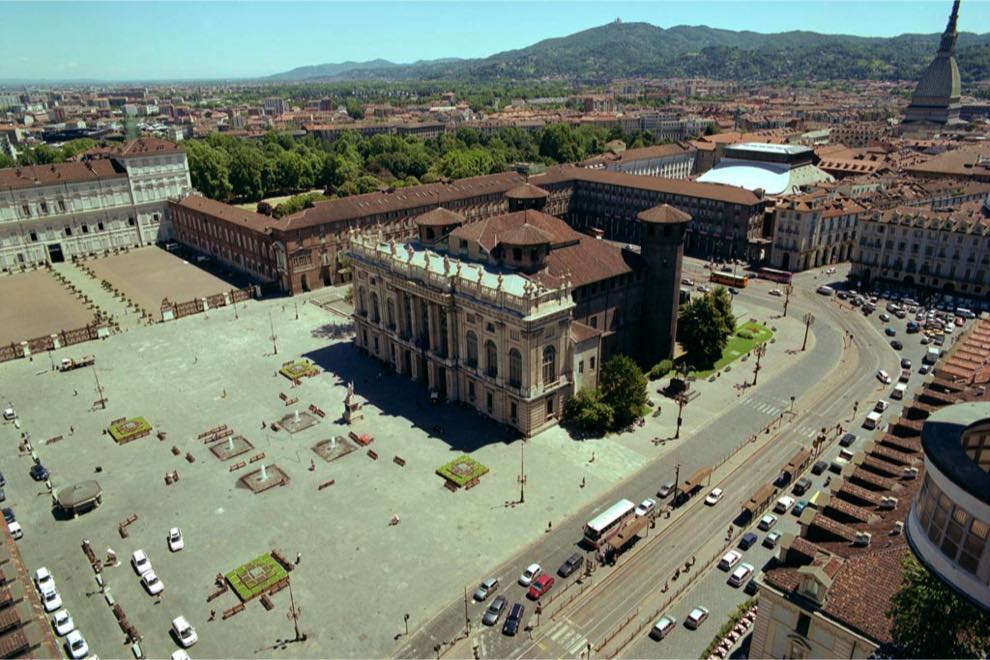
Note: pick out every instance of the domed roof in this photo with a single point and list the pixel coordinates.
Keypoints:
(527, 191)
(525, 235)
(439, 217)
(940, 82)
(665, 214)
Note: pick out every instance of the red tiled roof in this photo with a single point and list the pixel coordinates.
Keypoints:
(589, 261)
(664, 214)
(30, 176)
(527, 191)
(231, 214)
(490, 231)
(581, 332)
(439, 217)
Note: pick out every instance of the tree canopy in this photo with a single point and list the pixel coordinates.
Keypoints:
(705, 325)
(623, 387)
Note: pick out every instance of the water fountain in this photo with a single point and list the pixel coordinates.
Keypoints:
(264, 474)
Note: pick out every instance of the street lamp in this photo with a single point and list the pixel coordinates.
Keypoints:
(522, 472)
(787, 297)
(760, 351)
(809, 319)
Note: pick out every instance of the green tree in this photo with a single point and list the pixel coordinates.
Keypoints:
(585, 411)
(247, 174)
(705, 325)
(559, 143)
(931, 621)
(209, 169)
(75, 147)
(465, 162)
(354, 108)
(623, 387)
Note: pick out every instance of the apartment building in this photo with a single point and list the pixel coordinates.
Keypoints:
(814, 229)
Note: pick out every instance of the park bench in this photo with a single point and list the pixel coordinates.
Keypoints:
(401, 462)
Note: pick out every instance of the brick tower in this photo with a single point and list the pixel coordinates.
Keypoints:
(662, 241)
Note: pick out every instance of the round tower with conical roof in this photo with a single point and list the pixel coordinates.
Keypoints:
(662, 240)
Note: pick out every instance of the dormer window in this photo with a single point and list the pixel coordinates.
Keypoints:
(517, 254)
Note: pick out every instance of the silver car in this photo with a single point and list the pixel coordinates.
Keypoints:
(494, 611)
(486, 588)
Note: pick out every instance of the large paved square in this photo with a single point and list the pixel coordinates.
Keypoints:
(36, 304)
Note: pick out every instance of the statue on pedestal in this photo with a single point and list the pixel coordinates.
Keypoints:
(352, 409)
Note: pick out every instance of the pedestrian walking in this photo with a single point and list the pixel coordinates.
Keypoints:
(72, 430)
(213, 615)
(549, 525)
(75, 392)
(298, 558)
(592, 457)
(582, 482)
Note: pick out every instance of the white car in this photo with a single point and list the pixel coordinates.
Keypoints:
(184, 632)
(140, 562)
(729, 559)
(776, 292)
(530, 574)
(51, 600)
(62, 623)
(950, 328)
(741, 574)
(75, 643)
(43, 580)
(15, 529)
(152, 583)
(767, 521)
(646, 507)
(884, 377)
(783, 504)
(9, 414)
(714, 496)
(696, 617)
(179, 654)
(175, 540)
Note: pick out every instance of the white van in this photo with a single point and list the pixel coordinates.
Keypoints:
(826, 290)
(872, 420)
(931, 357)
(899, 391)
(965, 313)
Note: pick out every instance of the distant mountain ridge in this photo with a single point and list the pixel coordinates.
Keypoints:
(619, 50)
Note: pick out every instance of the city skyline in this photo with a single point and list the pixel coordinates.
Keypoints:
(209, 41)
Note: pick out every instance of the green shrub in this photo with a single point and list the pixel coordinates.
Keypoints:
(661, 369)
(746, 334)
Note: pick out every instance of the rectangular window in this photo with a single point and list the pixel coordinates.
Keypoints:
(594, 321)
(85, 229)
(26, 210)
(489, 402)
(471, 390)
(99, 226)
(803, 624)
(591, 364)
(34, 236)
(68, 231)
(513, 411)
(581, 366)
(550, 407)
(130, 221)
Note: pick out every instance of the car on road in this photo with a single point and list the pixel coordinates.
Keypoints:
(62, 623)
(494, 611)
(783, 504)
(696, 617)
(140, 562)
(51, 600)
(819, 467)
(799, 507)
(913, 327)
(802, 486)
(44, 580)
(175, 540)
(662, 627)
(884, 317)
(881, 406)
(747, 541)
(846, 440)
(486, 589)
(733, 290)
(687, 281)
(890, 332)
(770, 541)
(896, 345)
(767, 521)
(905, 363)
(76, 645)
(924, 369)
(152, 583)
(729, 559)
(740, 575)
(573, 563)
(925, 340)
(666, 488)
(16, 532)
(884, 377)
(540, 586)
(776, 292)
(9, 415)
(511, 625)
(184, 632)
(530, 574)
(714, 496)
(39, 472)
(646, 507)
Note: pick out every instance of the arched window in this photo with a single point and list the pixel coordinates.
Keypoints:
(362, 307)
(515, 368)
(549, 365)
(374, 307)
(390, 312)
(472, 349)
(491, 358)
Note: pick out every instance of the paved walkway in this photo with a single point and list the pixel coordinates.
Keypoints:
(105, 300)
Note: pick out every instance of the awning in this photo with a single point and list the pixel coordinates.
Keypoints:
(798, 462)
(85, 492)
(697, 479)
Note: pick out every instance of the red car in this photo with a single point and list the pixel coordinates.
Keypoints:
(540, 586)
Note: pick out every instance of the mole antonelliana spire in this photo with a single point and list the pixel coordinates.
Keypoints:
(936, 98)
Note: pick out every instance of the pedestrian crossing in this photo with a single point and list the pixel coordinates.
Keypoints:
(773, 410)
(571, 641)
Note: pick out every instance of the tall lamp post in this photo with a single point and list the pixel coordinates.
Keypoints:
(787, 297)
(809, 319)
(522, 472)
(760, 351)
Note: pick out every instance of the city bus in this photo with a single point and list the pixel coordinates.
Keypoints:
(782, 276)
(729, 279)
(602, 527)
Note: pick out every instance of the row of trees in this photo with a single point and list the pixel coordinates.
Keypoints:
(45, 155)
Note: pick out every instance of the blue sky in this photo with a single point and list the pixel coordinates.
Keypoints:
(182, 40)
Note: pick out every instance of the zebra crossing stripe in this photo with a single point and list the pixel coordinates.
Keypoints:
(561, 629)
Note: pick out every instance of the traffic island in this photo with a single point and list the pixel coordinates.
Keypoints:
(231, 447)
(268, 476)
(462, 472)
(260, 576)
(297, 369)
(125, 430)
(299, 420)
(335, 447)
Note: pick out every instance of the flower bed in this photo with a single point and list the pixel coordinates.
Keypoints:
(462, 470)
(254, 578)
(299, 369)
(125, 430)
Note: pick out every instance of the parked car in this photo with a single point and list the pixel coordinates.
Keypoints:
(770, 540)
(184, 632)
(573, 563)
(175, 540)
(747, 541)
(76, 645)
(666, 488)
(819, 467)
(3, 495)
(44, 580)
(39, 472)
(729, 559)
(881, 406)
(884, 377)
(51, 600)
(494, 611)
(714, 496)
(846, 440)
(896, 345)
(512, 622)
(884, 317)
(540, 586)
(696, 617)
(890, 332)
(530, 574)
(751, 587)
(905, 363)
(767, 521)
(663, 627)
(802, 485)
(140, 562)
(924, 369)
(687, 281)
(152, 583)
(62, 623)
(783, 504)
(16, 532)
(740, 575)
(799, 507)
(486, 589)
(646, 507)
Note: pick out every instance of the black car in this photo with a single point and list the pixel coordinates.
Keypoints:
(573, 563)
(494, 610)
(896, 345)
(747, 540)
(751, 587)
(8, 515)
(39, 472)
(819, 467)
(3, 482)
(847, 439)
(802, 486)
(512, 622)
(905, 363)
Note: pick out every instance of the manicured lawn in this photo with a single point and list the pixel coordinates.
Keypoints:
(256, 577)
(738, 346)
(462, 470)
(128, 428)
